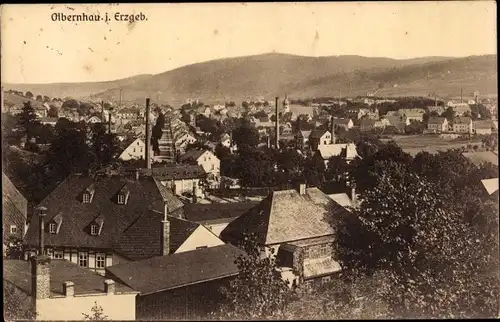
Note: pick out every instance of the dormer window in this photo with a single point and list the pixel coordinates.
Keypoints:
(52, 228)
(94, 230)
(123, 195)
(88, 194)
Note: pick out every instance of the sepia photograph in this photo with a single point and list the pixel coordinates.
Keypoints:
(250, 161)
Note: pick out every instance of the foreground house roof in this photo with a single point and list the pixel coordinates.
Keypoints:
(18, 272)
(9, 191)
(73, 217)
(216, 211)
(286, 216)
(163, 273)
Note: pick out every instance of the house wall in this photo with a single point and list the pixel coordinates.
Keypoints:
(201, 237)
(115, 306)
(483, 131)
(71, 254)
(134, 151)
(216, 229)
(462, 128)
(191, 302)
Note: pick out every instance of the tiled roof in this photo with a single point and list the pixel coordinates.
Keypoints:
(10, 191)
(485, 125)
(206, 212)
(191, 155)
(66, 201)
(12, 216)
(286, 216)
(176, 171)
(462, 120)
(178, 270)
(491, 185)
(341, 121)
(143, 239)
(436, 120)
(367, 122)
(317, 134)
(480, 157)
(18, 272)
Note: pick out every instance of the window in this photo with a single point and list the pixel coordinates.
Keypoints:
(100, 260)
(213, 167)
(93, 230)
(141, 150)
(50, 252)
(86, 198)
(83, 259)
(134, 150)
(58, 254)
(325, 279)
(13, 229)
(52, 228)
(121, 199)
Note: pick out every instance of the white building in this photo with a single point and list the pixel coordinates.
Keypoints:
(135, 150)
(207, 160)
(462, 125)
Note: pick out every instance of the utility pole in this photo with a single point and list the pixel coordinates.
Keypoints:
(120, 101)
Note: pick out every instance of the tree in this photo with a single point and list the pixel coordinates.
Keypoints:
(29, 94)
(39, 98)
(104, 144)
(17, 304)
(14, 248)
(314, 170)
(246, 135)
(27, 119)
(70, 104)
(437, 265)
(46, 98)
(157, 132)
(96, 313)
(449, 114)
(256, 167)
(53, 111)
(258, 292)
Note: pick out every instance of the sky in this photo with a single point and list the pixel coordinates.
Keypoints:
(36, 49)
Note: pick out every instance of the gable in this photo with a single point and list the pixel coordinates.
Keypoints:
(201, 237)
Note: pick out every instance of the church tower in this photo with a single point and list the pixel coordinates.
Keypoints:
(286, 105)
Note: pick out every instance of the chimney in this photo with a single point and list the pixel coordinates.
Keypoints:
(195, 199)
(354, 199)
(148, 135)
(109, 287)
(302, 189)
(137, 174)
(42, 211)
(165, 232)
(461, 95)
(109, 119)
(102, 112)
(40, 265)
(69, 289)
(277, 123)
(333, 131)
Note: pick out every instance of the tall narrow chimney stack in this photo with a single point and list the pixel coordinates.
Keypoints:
(165, 231)
(461, 95)
(277, 123)
(333, 130)
(42, 211)
(40, 266)
(148, 135)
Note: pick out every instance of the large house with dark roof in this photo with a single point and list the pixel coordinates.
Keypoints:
(14, 210)
(100, 221)
(299, 226)
(319, 138)
(207, 160)
(180, 286)
(179, 178)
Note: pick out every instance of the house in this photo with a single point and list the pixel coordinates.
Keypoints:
(412, 114)
(180, 178)
(436, 109)
(207, 160)
(482, 127)
(302, 138)
(85, 217)
(216, 216)
(345, 123)
(135, 149)
(183, 286)
(94, 119)
(319, 138)
(397, 121)
(14, 210)
(462, 125)
(345, 150)
(461, 109)
(128, 113)
(481, 157)
(52, 121)
(58, 290)
(367, 124)
(437, 124)
(299, 227)
(183, 140)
